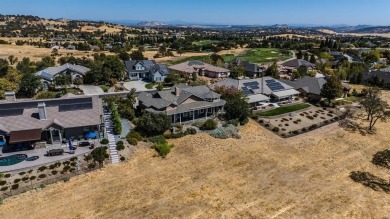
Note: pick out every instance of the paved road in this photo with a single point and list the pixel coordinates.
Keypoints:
(138, 85)
(91, 90)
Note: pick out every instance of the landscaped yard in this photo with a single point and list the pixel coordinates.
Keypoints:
(263, 55)
(56, 94)
(284, 109)
(307, 120)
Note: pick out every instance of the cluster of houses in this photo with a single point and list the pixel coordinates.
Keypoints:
(27, 123)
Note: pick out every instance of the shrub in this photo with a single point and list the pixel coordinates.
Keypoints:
(32, 178)
(99, 154)
(163, 149)
(22, 173)
(134, 134)
(54, 172)
(65, 179)
(295, 132)
(15, 186)
(17, 180)
(2, 183)
(179, 128)
(174, 135)
(66, 168)
(255, 116)
(244, 121)
(87, 157)
(92, 165)
(4, 188)
(72, 170)
(234, 122)
(154, 123)
(261, 121)
(159, 139)
(132, 141)
(104, 88)
(73, 164)
(123, 158)
(382, 159)
(41, 176)
(225, 132)
(42, 168)
(190, 131)
(275, 129)
(104, 141)
(310, 117)
(30, 171)
(120, 147)
(73, 159)
(66, 163)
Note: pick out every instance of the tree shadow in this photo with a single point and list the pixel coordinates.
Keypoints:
(352, 126)
(371, 181)
(382, 158)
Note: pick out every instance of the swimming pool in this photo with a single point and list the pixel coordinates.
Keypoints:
(12, 160)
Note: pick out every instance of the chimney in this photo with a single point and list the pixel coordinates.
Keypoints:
(42, 111)
(9, 96)
(177, 91)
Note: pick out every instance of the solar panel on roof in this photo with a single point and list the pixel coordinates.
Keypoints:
(270, 81)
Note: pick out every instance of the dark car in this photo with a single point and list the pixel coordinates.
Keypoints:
(55, 152)
(85, 144)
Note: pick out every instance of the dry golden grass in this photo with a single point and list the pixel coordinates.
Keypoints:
(36, 54)
(258, 176)
(387, 35)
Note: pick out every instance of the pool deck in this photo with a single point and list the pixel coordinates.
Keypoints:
(43, 160)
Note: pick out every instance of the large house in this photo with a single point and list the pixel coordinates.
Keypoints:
(49, 74)
(294, 64)
(36, 123)
(260, 90)
(309, 87)
(251, 70)
(146, 69)
(200, 68)
(383, 74)
(183, 103)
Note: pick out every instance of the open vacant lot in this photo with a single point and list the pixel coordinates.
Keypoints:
(258, 176)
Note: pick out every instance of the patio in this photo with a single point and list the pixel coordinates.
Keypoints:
(43, 160)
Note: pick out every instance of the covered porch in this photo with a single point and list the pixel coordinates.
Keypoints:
(196, 113)
(285, 94)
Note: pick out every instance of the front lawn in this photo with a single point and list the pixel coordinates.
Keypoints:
(285, 109)
(149, 86)
(56, 94)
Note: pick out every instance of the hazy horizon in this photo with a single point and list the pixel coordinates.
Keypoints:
(223, 12)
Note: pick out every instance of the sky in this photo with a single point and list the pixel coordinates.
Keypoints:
(246, 12)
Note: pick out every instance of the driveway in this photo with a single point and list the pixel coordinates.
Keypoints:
(91, 90)
(138, 85)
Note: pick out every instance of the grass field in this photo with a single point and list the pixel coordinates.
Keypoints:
(264, 55)
(285, 109)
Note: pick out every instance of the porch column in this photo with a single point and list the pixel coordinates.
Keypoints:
(60, 134)
(174, 118)
(193, 116)
(51, 135)
(207, 109)
(180, 118)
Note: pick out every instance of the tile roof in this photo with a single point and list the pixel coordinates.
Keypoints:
(49, 73)
(29, 118)
(162, 99)
(309, 84)
(296, 63)
(192, 66)
(262, 85)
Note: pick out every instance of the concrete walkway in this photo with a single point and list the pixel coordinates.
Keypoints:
(91, 90)
(111, 138)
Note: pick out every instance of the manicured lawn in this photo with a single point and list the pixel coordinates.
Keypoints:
(149, 86)
(352, 98)
(264, 55)
(191, 58)
(285, 109)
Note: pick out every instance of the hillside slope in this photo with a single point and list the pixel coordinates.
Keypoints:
(259, 175)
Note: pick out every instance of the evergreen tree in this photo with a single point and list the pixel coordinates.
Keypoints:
(313, 59)
(331, 89)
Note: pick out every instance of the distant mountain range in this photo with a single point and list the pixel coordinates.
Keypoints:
(339, 28)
